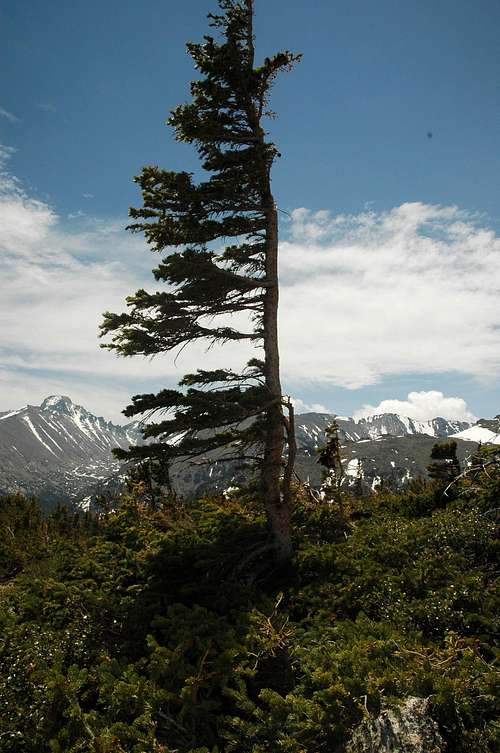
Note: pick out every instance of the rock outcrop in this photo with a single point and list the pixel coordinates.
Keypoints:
(407, 728)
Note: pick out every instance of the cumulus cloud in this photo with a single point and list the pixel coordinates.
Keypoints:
(411, 290)
(422, 406)
(302, 407)
(57, 279)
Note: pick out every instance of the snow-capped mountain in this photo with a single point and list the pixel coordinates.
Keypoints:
(310, 428)
(379, 449)
(59, 451)
(58, 428)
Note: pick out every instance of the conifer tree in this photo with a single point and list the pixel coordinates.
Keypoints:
(446, 466)
(234, 208)
(330, 457)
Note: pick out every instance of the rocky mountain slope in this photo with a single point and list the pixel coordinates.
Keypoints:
(61, 452)
(311, 427)
(387, 448)
(385, 460)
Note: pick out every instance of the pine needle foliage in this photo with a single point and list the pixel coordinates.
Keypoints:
(330, 457)
(209, 288)
(146, 631)
(446, 466)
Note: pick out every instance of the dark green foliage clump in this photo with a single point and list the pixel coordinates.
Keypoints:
(446, 467)
(329, 457)
(173, 630)
(22, 536)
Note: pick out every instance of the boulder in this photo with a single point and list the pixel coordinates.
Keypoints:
(406, 728)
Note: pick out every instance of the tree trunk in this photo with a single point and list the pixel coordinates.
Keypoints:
(277, 505)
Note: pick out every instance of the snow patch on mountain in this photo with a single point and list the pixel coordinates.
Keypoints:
(37, 435)
(12, 413)
(58, 403)
(478, 434)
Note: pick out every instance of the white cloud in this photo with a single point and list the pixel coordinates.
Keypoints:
(301, 407)
(413, 290)
(57, 279)
(422, 406)
(8, 115)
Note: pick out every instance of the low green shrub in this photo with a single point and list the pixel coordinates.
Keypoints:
(171, 631)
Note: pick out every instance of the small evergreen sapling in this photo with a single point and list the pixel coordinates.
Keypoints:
(240, 414)
(446, 466)
(330, 457)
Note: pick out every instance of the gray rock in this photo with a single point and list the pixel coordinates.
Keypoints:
(407, 728)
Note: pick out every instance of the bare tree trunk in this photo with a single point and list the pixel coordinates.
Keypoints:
(277, 505)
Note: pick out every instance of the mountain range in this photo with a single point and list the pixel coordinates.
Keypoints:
(386, 448)
(61, 452)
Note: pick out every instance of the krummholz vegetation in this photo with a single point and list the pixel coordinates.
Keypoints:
(148, 631)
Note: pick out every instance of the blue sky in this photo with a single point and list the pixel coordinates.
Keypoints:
(86, 88)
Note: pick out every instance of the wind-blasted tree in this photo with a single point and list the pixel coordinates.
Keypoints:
(225, 232)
